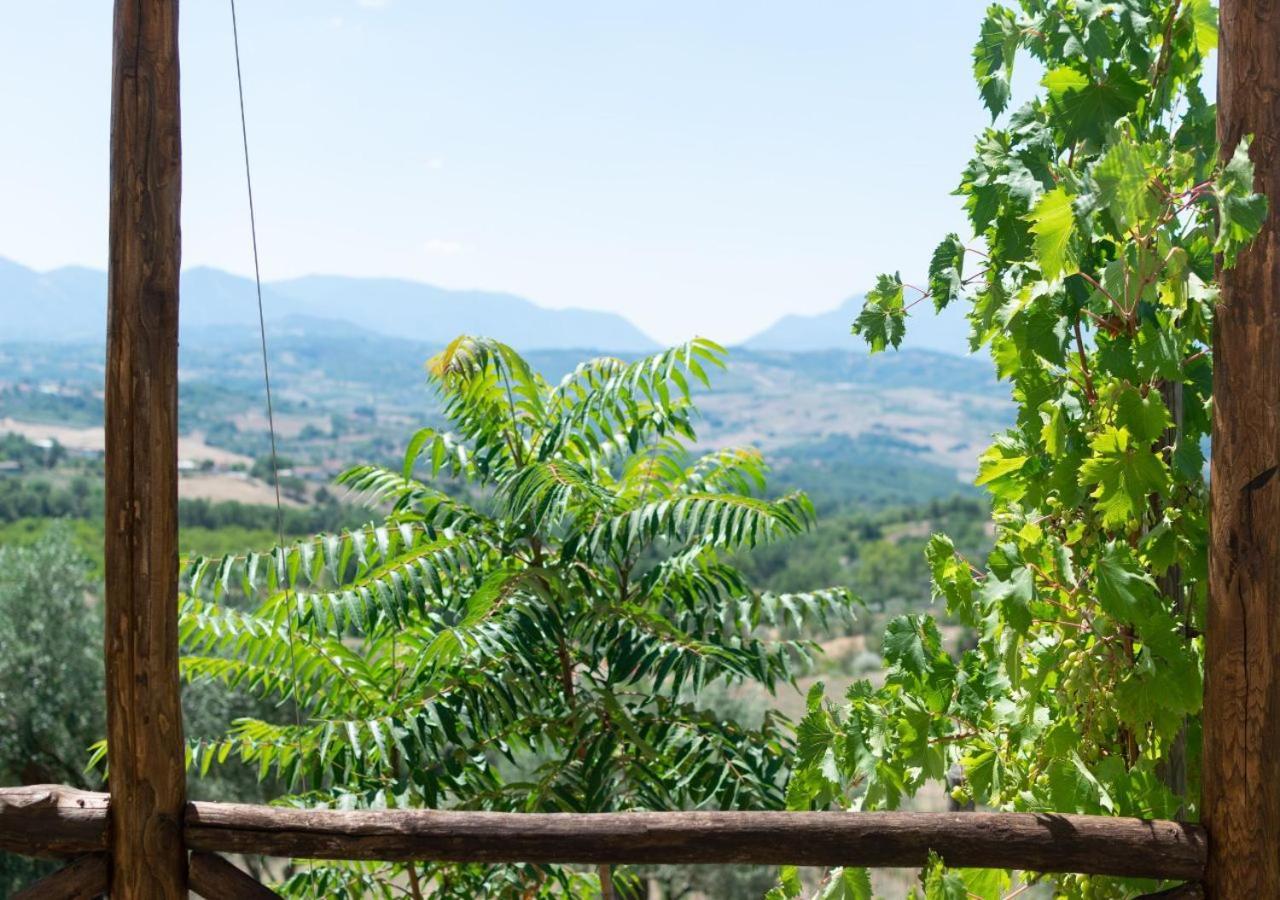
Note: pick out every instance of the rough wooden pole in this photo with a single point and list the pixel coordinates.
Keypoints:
(144, 714)
(1241, 767)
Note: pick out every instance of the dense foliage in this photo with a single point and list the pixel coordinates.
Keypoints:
(545, 648)
(324, 513)
(50, 676)
(25, 498)
(1100, 209)
(877, 554)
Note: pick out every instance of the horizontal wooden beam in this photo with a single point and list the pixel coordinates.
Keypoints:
(52, 820)
(1043, 843)
(1038, 842)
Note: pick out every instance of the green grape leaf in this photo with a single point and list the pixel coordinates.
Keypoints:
(946, 271)
(1203, 20)
(1242, 211)
(999, 470)
(1125, 592)
(986, 884)
(1124, 178)
(814, 735)
(1052, 222)
(984, 772)
(1085, 107)
(952, 578)
(904, 646)
(1158, 350)
(993, 57)
(883, 320)
(1160, 546)
(789, 884)
(847, 884)
(1013, 595)
(941, 883)
(1123, 472)
(1073, 788)
(1145, 418)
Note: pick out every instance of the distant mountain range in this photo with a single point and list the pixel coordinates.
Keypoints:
(67, 305)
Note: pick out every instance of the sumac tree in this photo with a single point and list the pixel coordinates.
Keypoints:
(541, 649)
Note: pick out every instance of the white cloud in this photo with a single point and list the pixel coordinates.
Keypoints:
(372, 4)
(434, 163)
(439, 247)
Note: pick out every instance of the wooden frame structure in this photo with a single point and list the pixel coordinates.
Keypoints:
(144, 840)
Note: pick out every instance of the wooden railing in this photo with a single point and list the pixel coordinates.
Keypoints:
(54, 820)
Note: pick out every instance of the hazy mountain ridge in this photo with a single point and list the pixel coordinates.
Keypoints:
(68, 305)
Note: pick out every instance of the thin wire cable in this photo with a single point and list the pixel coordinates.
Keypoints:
(271, 416)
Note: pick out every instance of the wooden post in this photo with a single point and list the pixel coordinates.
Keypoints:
(144, 713)
(1241, 768)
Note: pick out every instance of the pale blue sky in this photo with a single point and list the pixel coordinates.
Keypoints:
(697, 166)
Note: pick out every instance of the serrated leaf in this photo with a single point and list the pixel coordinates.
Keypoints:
(1125, 185)
(941, 883)
(999, 470)
(952, 578)
(1123, 473)
(1242, 211)
(904, 646)
(1146, 418)
(1013, 596)
(882, 321)
(1203, 19)
(985, 884)
(1125, 592)
(1053, 222)
(946, 271)
(993, 57)
(847, 884)
(1085, 106)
